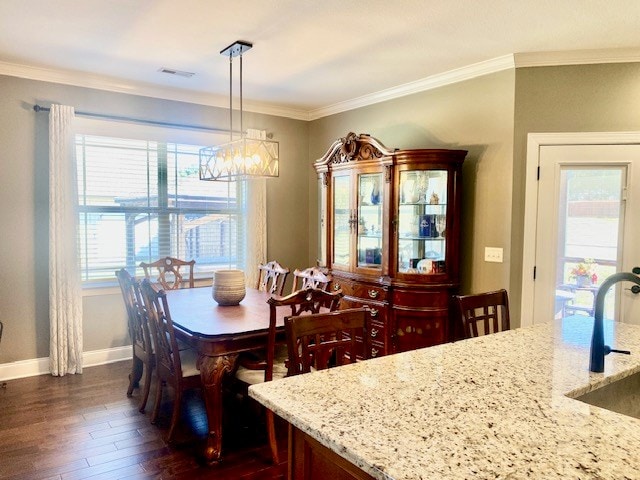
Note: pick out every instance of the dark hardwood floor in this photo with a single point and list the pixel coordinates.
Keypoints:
(84, 426)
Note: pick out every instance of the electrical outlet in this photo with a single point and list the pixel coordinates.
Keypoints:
(493, 254)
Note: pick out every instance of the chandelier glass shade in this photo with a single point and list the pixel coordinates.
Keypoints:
(239, 160)
(244, 158)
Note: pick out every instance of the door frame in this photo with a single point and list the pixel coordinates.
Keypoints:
(534, 142)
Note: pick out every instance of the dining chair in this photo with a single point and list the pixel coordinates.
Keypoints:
(272, 277)
(274, 363)
(484, 313)
(324, 340)
(169, 272)
(143, 358)
(174, 367)
(312, 277)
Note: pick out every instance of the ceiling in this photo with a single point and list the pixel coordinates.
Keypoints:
(309, 56)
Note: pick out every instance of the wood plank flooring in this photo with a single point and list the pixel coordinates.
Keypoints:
(84, 427)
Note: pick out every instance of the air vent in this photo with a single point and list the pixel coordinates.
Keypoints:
(180, 73)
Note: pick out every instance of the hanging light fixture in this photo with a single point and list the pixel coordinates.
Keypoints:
(245, 157)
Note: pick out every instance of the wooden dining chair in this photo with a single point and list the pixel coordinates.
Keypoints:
(272, 277)
(312, 277)
(484, 313)
(170, 272)
(143, 359)
(324, 340)
(174, 367)
(274, 363)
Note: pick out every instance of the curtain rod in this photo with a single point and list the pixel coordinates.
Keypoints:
(39, 108)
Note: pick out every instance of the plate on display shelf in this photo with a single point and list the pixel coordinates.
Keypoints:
(425, 266)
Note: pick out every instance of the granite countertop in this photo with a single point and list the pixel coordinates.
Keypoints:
(491, 407)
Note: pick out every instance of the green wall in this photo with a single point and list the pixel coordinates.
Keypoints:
(474, 115)
(578, 98)
(24, 204)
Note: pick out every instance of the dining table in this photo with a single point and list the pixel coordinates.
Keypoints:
(220, 334)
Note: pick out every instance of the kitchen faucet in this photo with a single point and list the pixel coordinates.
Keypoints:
(598, 348)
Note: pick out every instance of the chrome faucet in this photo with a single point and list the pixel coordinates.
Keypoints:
(598, 348)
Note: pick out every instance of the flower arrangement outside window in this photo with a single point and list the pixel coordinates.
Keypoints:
(584, 270)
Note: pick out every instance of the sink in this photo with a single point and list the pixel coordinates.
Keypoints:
(622, 396)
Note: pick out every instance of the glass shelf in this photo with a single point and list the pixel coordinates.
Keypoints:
(422, 222)
(369, 238)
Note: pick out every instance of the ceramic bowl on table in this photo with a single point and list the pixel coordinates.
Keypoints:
(228, 287)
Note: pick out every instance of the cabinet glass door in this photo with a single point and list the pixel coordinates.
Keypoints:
(370, 201)
(422, 222)
(342, 220)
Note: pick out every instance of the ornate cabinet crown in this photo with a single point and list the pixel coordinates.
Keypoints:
(390, 234)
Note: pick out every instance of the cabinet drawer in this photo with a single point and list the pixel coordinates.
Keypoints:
(421, 298)
(376, 332)
(344, 285)
(376, 349)
(378, 310)
(360, 290)
(370, 292)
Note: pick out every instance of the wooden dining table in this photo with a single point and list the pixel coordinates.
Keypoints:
(220, 334)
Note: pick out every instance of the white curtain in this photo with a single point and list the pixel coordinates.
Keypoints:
(65, 294)
(256, 244)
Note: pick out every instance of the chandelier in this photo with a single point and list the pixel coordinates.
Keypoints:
(243, 158)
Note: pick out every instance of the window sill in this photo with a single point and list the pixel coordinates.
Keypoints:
(95, 289)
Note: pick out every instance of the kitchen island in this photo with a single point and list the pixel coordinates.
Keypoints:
(499, 406)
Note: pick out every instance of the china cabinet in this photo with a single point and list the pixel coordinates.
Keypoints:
(390, 236)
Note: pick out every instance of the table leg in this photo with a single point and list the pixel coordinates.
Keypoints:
(212, 371)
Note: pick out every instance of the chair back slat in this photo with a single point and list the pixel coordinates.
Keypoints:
(169, 272)
(167, 350)
(325, 340)
(272, 277)
(488, 310)
(313, 277)
(308, 301)
(139, 331)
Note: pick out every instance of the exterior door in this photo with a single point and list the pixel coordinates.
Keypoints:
(586, 229)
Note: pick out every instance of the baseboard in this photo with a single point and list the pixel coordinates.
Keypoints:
(40, 366)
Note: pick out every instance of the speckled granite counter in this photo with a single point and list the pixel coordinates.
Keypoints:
(492, 407)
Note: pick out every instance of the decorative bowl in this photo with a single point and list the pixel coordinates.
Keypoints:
(228, 287)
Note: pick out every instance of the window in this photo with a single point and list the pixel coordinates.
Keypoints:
(140, 200)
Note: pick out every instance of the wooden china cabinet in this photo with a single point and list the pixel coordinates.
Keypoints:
(390, 236)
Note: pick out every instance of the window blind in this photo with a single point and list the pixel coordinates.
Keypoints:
(140, 200)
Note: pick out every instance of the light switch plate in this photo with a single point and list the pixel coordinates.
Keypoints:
(493, 254)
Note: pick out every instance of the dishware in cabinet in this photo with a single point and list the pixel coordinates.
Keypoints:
(422, 222)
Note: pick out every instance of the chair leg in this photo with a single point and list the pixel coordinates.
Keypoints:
(156, 405)
(271, 432)
(147, 386)
(135, 375)
(175, 417)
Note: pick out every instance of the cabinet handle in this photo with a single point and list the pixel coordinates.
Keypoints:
(336, 286)
(374, 332)
(373, 293)
(373, 312)
(353, 222)
(374, 352)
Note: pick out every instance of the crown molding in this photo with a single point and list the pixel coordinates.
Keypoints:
(576, 57)
(453, 76)
(517, 60)
(110, 84)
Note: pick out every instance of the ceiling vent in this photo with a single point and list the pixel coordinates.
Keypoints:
(180, 73)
